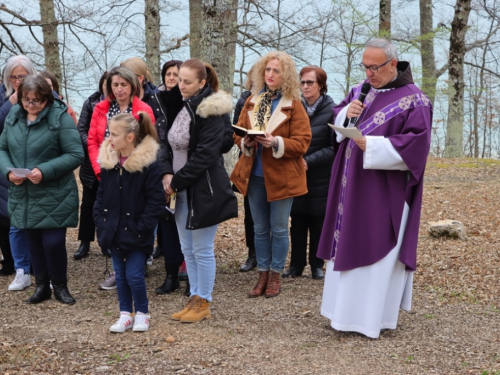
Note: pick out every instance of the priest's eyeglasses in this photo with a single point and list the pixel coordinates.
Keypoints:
(373, 68)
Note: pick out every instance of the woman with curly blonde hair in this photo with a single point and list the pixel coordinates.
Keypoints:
(270, 169)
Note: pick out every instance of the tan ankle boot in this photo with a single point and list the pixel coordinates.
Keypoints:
(273, 285)
(200, 311)
(189, 306)
(261, 285)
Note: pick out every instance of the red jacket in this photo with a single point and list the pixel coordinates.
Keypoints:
(98, 125)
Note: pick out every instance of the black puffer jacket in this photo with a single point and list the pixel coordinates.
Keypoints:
(87, 176)
(211, 200)
(149, 93)
(319, 158)
(239, 105)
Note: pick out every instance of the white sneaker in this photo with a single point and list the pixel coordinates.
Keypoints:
(125, 322)
(141, 323)
(149, 261)
(21, 281)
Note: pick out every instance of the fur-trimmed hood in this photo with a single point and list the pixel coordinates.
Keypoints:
(217, 104)
(143, 156)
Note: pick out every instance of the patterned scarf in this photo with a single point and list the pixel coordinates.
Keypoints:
(263, 107)
(310, 109)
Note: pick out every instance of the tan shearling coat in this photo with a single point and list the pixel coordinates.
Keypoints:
(284, 172)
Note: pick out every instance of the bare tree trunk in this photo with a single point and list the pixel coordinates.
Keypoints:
(50, 37)
(455, 125)
(385, 18)
(152, 29)
(217, 43)
(429, 79)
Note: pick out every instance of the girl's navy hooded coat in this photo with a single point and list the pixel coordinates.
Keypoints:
(130, 199)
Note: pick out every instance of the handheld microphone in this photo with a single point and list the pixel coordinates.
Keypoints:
(364, 91)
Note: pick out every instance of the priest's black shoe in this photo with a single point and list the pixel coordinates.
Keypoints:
(171, 283)
(42, 291)
(293, 272)
(317, 273)
(82, 251)
(61, 292)
(250, 264)
(157, 252)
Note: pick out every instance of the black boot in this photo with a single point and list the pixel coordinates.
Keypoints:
(61, 292)
(157, 252)
(42, 291)
(187, 292)
(82, 251)
(250, 263)
(171, 283)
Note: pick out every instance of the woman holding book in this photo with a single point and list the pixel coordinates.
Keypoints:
(271, 169)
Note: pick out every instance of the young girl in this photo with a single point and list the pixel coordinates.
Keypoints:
(130, 201)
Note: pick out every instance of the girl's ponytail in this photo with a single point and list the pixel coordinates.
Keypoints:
(146, 127)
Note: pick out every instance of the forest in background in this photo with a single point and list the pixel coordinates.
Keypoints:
(453, 47)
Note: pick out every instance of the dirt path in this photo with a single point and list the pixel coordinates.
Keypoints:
(454, 327)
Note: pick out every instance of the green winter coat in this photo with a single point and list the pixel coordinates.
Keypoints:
(52, 144)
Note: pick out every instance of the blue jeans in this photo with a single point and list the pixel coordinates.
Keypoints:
(131, 281)
(19, 249)
(271, 226)
(198, 249)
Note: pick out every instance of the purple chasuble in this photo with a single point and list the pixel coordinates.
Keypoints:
(365, 206)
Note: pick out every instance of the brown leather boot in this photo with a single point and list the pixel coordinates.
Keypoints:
(261, 285)
(189, 306)
(273, 285)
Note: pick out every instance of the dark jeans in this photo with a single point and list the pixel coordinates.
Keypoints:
(248, 221)
(170, 243)
(8, 261)
(47, 249)
(86, 230)
(131, 281)
(300, 226)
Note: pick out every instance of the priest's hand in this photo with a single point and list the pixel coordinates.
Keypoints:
(355, 108)
(361, 142)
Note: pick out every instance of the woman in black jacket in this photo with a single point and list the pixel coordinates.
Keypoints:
(308, 211)
(90, 184)
(193, 169)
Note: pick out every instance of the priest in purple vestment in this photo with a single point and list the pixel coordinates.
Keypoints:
(372, 220)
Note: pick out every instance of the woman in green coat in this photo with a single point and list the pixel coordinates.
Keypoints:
(41, 142)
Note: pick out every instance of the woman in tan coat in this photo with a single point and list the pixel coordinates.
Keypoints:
(271, 170)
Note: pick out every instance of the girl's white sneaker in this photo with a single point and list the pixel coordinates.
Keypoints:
(125, 322)
(141, 323)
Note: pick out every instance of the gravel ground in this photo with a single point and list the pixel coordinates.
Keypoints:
(452, 329)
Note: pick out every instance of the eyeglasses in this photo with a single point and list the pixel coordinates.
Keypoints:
(17, 78)
(34, 103)
(308, 83)
(373, 68)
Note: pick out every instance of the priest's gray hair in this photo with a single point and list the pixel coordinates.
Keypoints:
(384, 44)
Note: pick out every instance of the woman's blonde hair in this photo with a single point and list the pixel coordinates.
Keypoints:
(139, 67)
(140, 124)
(290, 87)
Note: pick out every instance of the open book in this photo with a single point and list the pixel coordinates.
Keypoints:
(250, 132)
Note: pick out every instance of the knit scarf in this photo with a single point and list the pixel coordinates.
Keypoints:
(263, 108)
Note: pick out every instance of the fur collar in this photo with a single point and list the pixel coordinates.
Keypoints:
(217, 104)
(143, 156)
